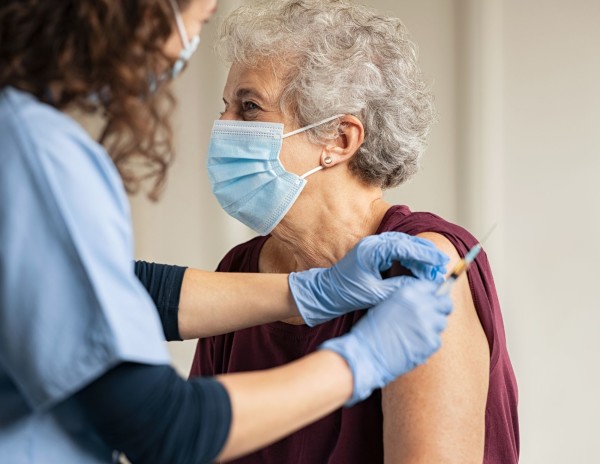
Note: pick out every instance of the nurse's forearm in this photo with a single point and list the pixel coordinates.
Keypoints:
(213, 303)
(153, 415)
(269, 405)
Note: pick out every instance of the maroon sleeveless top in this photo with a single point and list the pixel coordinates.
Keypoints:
(355, 435)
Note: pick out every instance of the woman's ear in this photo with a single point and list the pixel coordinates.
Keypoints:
(351, 135)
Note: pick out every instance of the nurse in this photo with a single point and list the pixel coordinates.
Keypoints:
(84, 374)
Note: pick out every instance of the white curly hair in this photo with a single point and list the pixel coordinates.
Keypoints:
(338, 57)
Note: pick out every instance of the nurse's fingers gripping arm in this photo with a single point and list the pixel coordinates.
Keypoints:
(355, 282)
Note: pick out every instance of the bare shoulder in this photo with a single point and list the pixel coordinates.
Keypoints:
(464, 319)
(443, 244)
(446, 397)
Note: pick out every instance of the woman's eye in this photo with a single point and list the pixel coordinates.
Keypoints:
(249, 106)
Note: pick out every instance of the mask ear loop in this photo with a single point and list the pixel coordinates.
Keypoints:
(312, 171)
(311, 126)
(302, 129)
(180, 25)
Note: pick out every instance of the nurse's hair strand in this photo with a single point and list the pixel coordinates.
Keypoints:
(97, 56)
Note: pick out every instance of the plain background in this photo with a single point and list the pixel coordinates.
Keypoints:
(517, 143)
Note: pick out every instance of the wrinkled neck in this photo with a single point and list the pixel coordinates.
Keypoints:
(326, 222)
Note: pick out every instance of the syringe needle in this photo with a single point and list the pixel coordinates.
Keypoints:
(463, 264)
(486, 236)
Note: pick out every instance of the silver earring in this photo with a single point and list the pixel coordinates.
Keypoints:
(328, 160)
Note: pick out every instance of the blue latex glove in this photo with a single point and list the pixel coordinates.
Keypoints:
(355, 282)
(393, 337)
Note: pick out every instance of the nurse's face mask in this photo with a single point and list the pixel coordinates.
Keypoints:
(189, 46)
(246, 175)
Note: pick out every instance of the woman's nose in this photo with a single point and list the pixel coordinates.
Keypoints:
(229, 115)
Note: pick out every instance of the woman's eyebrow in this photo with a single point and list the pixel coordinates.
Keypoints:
(249, 92)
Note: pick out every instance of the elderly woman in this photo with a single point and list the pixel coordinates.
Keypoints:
(325, 108)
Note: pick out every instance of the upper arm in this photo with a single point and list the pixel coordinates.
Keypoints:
(436, 413)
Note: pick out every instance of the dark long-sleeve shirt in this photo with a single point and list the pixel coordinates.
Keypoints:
(149, 412)
(163, 283)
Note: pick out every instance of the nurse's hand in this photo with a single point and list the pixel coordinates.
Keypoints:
(355, 282)
(393, 337)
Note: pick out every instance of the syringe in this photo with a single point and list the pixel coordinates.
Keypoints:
(462, 266)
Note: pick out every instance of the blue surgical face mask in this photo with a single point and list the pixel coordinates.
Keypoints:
(246, 175)
(189, 46)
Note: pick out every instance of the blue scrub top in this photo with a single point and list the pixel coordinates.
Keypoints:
(71, 306)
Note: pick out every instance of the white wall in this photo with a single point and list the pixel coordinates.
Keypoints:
(552, 222)
(517, 143)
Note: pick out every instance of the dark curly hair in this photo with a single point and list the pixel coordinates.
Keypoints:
(98, 56)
